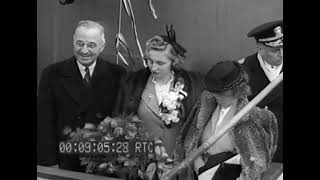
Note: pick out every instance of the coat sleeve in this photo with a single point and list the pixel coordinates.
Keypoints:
(47, 145)
(270, 126)
(180, 151)
(256, 140)
(197, 83)
(191, 119)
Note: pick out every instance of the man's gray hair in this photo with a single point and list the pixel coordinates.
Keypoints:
(92, 24)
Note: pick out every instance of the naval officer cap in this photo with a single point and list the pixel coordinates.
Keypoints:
(270, 34)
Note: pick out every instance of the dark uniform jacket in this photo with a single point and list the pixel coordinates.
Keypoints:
(65, 102)
(274, 100)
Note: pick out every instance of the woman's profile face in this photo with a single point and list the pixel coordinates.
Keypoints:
(159, 63)
(225, 99)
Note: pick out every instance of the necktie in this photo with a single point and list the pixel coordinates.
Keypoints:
(86, 78)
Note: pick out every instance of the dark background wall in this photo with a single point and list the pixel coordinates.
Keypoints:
(211, 30)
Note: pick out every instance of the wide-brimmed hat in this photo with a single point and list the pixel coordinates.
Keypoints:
(224, 76)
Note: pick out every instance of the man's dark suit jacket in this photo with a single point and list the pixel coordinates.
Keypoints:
(274, 100)
(64, 101)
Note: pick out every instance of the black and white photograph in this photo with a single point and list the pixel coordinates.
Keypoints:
(159, 90)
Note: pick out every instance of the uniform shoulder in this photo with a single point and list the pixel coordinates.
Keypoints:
(241, 61)
(247, 59)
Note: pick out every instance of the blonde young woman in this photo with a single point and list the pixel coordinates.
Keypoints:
(162, 94)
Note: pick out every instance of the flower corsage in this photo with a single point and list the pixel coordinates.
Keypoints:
(171, 109)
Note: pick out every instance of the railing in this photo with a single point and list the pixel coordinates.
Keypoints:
(49, 173)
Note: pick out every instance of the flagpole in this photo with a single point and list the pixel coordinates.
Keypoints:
(119, 26)
(133, 24)
(224, 130)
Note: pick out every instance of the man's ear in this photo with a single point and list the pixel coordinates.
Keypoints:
(260, 46)
(102, 47)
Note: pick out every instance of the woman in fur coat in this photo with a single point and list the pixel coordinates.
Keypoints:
(246, 150)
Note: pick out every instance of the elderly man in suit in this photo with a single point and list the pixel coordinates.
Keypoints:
(263, 67)
(75, 93)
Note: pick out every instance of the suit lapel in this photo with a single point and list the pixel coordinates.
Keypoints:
(274, 94)
(101, 71)
(150, 97)
(72, 82)
(261, 81)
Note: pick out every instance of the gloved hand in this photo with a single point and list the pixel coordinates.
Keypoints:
(161, 153)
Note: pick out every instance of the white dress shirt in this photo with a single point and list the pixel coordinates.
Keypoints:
(271, 72)
(82, 68)
(162, 89)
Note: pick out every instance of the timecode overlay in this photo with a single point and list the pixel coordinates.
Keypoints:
(107, 147)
